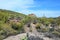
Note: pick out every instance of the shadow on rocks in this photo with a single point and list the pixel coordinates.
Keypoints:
(34, 38)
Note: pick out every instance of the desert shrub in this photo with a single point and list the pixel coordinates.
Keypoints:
(38, 26)
(56, 33)
(8, 30)
(58, 29)
(26, 20)
(58, 21)
(3, 17)
(44, 29)
(1, 38)
(1, 35)
(17, 26)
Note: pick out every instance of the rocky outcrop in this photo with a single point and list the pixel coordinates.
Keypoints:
(31, 36)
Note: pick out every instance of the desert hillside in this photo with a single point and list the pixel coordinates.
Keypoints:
(14, 23)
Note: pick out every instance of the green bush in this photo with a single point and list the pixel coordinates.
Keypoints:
(44, 29)
(1, 38)
(38, 26)
(8, 30)
(56, 33)
(17, 26)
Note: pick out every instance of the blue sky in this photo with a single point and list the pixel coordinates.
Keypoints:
(49, 8)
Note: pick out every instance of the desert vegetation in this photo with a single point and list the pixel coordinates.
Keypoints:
(12, 23)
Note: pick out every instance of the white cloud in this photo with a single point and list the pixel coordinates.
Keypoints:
(12, 4)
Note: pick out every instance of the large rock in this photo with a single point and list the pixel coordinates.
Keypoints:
(34, 38)
(31, 36)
